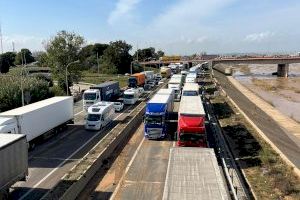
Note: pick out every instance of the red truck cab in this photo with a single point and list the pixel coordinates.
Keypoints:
(191, 123)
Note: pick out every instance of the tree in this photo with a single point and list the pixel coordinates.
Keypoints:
(99, 48)
(159, 54)
(42, 59)
(24, 57)
(88, 54)
(6, 61)
(62, 50)
(147, 54)
(117, 54)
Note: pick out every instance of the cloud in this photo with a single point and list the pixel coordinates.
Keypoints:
(258, 37)
(122, 9)
(22, 41)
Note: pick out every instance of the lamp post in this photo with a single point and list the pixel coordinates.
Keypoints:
(23, 67)
(77, 61)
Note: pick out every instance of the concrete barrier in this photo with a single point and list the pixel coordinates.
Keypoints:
(74, 182)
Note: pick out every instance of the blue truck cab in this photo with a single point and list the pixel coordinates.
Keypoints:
(157, 110)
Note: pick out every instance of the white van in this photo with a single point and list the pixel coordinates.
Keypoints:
(130, 96)
(99, 115)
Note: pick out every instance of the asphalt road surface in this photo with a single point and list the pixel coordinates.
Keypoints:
(265, 123)
(49, 161)
(145, 175)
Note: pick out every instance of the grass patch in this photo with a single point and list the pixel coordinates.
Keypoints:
(266, 172)
(97, 79)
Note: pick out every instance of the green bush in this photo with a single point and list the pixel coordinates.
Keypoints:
(11, 95)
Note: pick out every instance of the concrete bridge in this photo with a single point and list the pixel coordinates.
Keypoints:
(282, 62)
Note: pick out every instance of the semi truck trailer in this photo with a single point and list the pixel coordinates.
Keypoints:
(108, 91)
(136, 80)
(38, 119)
(157, 110)
(190, 89)
(193, 173)
(13, 161)
(191, 122)
(165, 72)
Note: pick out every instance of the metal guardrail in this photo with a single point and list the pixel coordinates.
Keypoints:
(234, 178)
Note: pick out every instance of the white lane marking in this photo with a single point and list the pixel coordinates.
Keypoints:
(126, 170)
(45, 158)
(63, 162)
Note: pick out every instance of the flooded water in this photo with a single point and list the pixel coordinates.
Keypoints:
(282, 93)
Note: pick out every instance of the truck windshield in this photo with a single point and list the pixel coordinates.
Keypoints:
(150, 119)
(89, 96)
(93, 117)
(190, 93)
(128, 96)
(191, 137)
(132, 80)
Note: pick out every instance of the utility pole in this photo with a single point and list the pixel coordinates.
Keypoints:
(137, 52)
(98, 62)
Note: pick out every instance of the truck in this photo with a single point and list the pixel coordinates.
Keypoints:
(107, 91)
(38, 120)
(190, 89)
(194, 173)
(165, 91)
(149, 75)
(13, 161)
(131, 96)
(191, 122)
(176, 85)
(136, 80)
(99, 115)
(157, 110)
(191, 78)
(165, 72)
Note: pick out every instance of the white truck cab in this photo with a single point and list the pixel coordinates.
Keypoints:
(99, 115)
(131, 96)
(90, 97)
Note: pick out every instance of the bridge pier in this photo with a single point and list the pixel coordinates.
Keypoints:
(283, 70)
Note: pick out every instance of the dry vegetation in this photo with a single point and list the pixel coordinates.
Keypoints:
(268, 175)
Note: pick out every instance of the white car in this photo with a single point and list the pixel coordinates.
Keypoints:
(118, 106)
(141, 90)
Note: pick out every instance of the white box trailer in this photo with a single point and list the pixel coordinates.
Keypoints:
(193, 173)
(13, 161)
(35, 119)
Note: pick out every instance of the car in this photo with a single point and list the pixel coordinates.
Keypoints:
(147, 87)
(141, 90)
(118, 106)
(151, 83)
(158, 76)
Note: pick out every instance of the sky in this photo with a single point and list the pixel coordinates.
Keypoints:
(174, 26)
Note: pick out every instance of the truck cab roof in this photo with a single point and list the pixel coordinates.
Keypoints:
(100, 107)
(91, 91)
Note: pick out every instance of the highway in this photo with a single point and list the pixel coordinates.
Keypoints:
(138, 173)
(49, 161)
